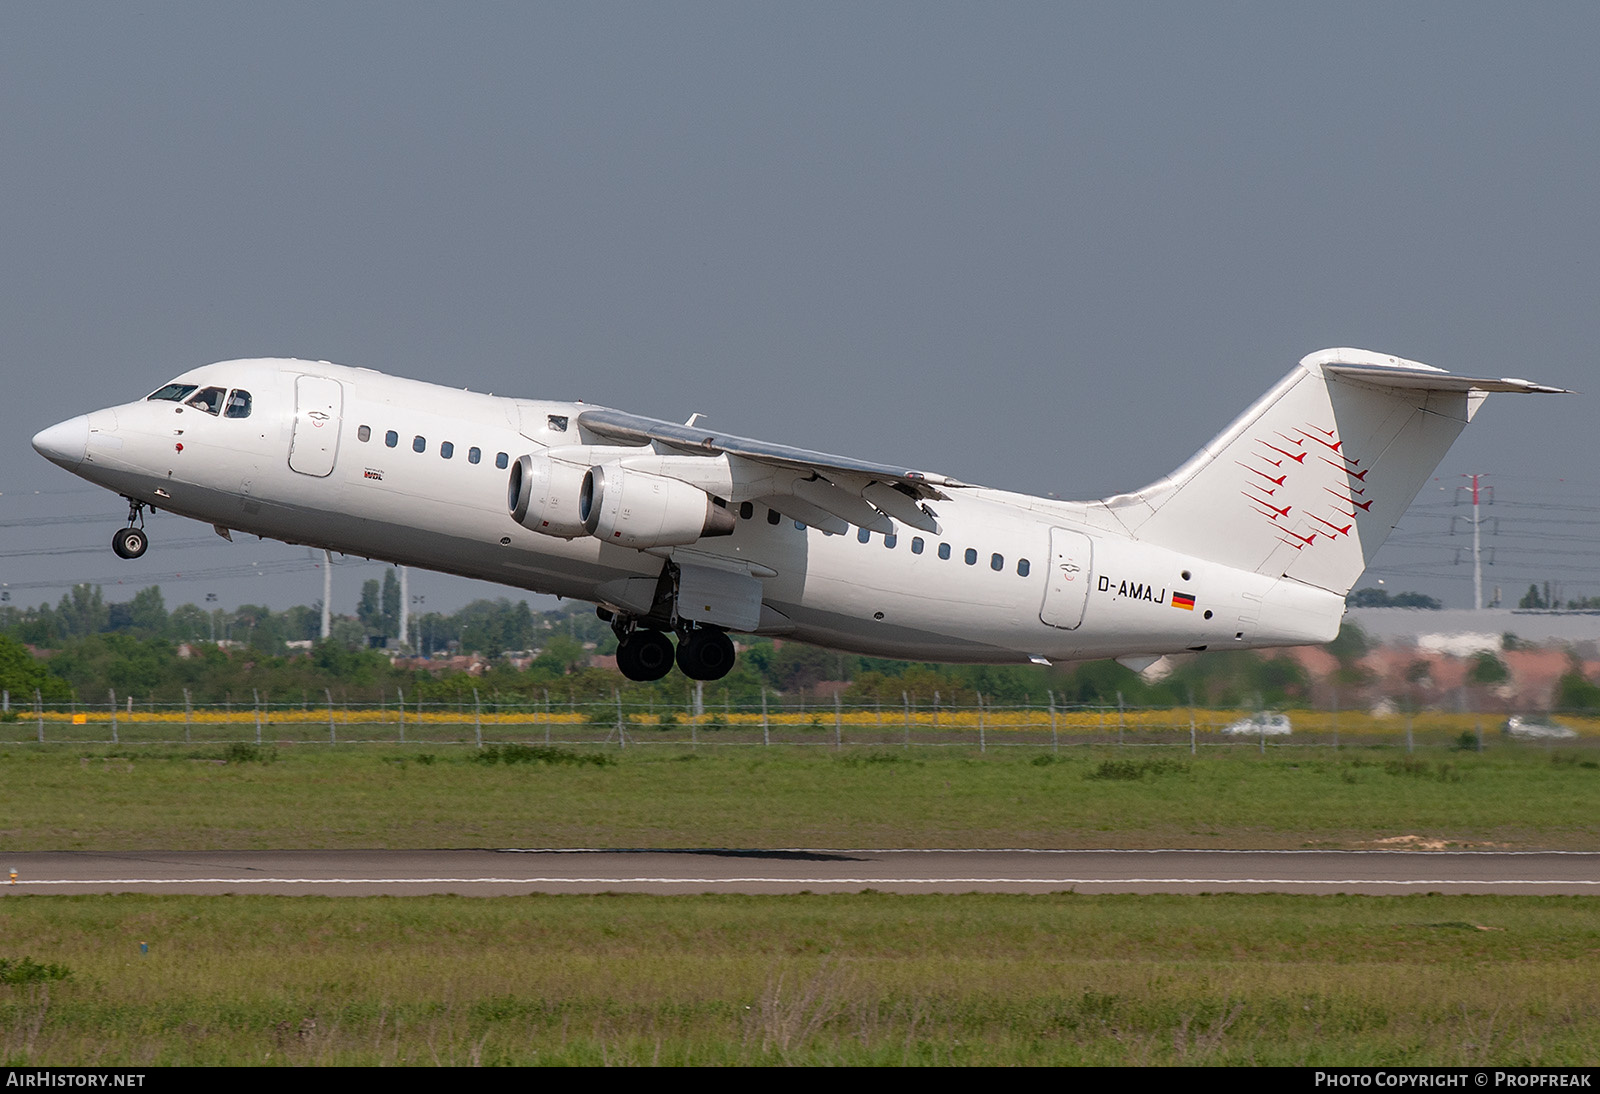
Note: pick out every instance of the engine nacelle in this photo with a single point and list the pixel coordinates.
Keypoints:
(545, 495)
(638, 509)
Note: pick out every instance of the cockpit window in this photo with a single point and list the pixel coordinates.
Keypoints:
(238, 404)
(208, 400)
(175, 393)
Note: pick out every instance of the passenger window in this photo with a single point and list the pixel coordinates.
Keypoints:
(890, 541)
(972, 557)
(391, 438)
(864, 535)
(209, 400)
(997, 563)
(501, 460)
(799, 526)
(175, 393)
(916, 545)
(364, 433)
(772, 516)
(944, 550)
(1022, 567)
(446, 449)
(419, 444)
(238, 404)
(474, 454)
(558, 422)
(746, 510)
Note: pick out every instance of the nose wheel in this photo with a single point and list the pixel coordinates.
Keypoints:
(130, 542)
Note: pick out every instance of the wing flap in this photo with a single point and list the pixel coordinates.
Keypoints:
(803, 511)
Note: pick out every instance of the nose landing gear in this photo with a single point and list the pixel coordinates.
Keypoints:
(130, 542)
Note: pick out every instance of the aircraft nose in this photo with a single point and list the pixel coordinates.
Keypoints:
(65, 442)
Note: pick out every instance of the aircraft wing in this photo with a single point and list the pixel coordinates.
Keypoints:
(832, 491)
(624, 428)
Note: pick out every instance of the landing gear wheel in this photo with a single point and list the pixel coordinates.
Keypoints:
(705, 654)
(645, 656)
(129, 542)
(653, 651)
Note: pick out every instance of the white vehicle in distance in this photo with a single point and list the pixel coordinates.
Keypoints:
(1533, 728)
(1260, 725)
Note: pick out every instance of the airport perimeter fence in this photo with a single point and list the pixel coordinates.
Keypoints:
(774, 721)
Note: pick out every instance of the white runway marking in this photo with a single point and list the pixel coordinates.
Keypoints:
(1350, 851)
(728, 870)
(856, 881)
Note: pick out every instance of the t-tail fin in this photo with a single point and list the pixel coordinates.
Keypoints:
(1309, 481)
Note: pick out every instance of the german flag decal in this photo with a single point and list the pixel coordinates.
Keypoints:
(1183, 600)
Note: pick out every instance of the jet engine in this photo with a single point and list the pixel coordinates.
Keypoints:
(544, 495)
(638, 509)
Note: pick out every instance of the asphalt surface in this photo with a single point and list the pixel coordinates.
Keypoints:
(487, 872)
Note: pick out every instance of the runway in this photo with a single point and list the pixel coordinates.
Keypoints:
(510, 871)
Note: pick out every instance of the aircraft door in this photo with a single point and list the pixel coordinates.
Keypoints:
(318, 406)
(1066, 591)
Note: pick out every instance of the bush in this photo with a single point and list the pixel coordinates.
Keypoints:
(28, 971)
(241, 753)
(534, 754)
(1487, 669)
(1130, 770)
(1575, 692)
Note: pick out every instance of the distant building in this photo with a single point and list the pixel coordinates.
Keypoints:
(1463, 632)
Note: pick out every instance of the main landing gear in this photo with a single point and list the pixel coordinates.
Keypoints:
(130, 542)
(705, 654)
(644, 654)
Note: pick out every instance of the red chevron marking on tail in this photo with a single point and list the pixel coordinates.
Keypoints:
(1276, 512)
(1364, 506)
(1275, 481)
(1360, 476)
(1297, 458)
(1334, 445)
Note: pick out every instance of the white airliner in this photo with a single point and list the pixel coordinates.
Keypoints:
(673, 529)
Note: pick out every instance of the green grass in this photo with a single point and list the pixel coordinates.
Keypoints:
(865, 978)
(60, 798)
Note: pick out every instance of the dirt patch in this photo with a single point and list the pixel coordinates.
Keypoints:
(1424, 843)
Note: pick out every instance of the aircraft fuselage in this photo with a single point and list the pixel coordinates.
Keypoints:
(372, 478)
(1253, 542)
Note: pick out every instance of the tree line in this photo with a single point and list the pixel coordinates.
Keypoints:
(88, 648)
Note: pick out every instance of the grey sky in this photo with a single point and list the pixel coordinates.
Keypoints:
(1046, 247)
